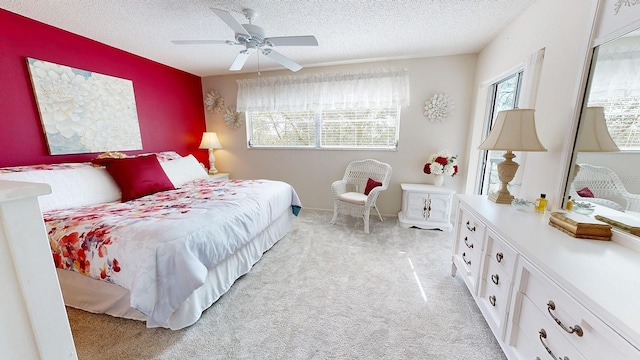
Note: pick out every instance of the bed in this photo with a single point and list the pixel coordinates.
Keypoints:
(164, 257)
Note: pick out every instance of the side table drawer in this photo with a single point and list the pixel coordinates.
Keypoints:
(416, 205)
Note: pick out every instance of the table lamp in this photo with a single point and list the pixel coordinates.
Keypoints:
(210, 141)
(593, 134)
(514, 130)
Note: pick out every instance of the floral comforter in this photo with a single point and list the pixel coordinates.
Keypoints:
(161, 246)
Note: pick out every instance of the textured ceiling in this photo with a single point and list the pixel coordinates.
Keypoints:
(348, 31)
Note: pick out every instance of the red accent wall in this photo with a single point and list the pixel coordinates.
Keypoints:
(169, 101)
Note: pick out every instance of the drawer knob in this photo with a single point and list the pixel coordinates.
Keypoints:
(469, 227)
(543, 335)
(468, 262)
(571, 329)
(470, 246)
(495, 278)
(492, 300)
(499, 257)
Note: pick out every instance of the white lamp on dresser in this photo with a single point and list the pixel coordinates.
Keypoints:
(514, 130)
(210, 141)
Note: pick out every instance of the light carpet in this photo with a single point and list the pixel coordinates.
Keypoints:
(322, 292)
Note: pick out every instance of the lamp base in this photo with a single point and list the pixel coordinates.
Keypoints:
(506, 172)
(213, 171)
(501, 198)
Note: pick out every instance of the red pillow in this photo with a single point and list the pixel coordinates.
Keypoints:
(370, 185)
(139, 176)
(585, 192)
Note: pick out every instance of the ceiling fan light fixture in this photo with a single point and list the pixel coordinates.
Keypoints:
(254, 38)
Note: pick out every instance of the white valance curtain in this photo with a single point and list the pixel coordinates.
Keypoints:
(367, 89)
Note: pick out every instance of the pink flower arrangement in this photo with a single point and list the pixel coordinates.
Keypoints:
(442, 163)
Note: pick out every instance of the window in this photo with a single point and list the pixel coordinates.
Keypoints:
(358, 110)
(374, 128)
(503, 95)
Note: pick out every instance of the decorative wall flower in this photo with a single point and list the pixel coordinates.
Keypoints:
(233, 118)
(438, 107)
(214, 102)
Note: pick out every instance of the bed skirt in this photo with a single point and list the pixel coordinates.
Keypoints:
(84, 293)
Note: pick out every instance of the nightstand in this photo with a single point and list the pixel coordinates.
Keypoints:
(219, 176)
(426, 207)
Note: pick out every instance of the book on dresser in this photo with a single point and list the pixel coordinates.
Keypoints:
(580, 226)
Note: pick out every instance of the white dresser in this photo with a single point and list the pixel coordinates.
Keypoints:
(426, 207)
(543, 293)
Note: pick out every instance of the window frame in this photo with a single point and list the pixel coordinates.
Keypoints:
(318, 135)
(483, 182)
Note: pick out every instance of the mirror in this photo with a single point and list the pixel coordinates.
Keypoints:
(605, 163)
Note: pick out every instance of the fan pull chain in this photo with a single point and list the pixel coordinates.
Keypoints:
(258, 53)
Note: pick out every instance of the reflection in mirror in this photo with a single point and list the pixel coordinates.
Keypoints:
(606, 155)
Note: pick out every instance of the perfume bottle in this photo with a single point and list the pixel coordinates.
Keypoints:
(569, 205)
(541, 203)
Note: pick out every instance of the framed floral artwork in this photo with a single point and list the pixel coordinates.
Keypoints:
(83, 111)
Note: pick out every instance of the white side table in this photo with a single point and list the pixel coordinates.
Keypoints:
(219, 176)
(426, 207)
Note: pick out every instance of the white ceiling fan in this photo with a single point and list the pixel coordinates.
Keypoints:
(252, 37)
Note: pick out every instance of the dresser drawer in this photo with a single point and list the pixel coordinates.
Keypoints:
(472, 225)
(504, 256)
(467, 256)
(538, 338)
(494, 295)
(580, 327)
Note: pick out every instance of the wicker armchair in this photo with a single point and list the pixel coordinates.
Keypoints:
(606, 186)
(348, 193)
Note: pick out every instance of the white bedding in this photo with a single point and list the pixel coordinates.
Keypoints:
(82, 292)
(161, 247)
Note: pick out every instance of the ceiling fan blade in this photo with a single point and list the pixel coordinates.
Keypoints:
(282, 60)
(231, 22)
(241, 58)
(200, 42)
(307, 40)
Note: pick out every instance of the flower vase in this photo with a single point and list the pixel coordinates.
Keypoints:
(439, 180)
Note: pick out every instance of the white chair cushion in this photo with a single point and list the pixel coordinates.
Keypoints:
(353, 198)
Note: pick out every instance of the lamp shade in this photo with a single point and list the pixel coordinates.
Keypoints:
(593, 135)
(514, 130)
(210, 141)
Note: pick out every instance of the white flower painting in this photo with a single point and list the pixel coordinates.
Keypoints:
(83, 111)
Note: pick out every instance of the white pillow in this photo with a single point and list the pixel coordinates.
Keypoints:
(183, 170)
(71, 187)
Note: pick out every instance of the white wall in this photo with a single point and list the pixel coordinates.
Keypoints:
(563, 28)
(311, 172)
